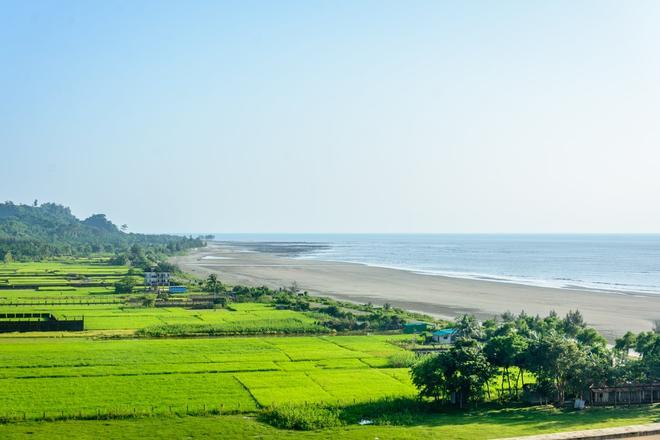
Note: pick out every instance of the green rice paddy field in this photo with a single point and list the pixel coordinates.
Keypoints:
(72, 376)
(241, 318)
(62, 273)
(162, 380)
(211, 387)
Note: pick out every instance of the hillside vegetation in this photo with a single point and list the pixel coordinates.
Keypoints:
(31, 232)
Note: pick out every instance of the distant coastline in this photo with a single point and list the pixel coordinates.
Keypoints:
(611, 313)
(627, 264)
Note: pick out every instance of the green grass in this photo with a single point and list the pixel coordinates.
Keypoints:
(62, 273)
(49, 376)
(478, 425)
(69, 376)
(243, 319)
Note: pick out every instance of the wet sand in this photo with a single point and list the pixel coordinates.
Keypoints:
(611, 313)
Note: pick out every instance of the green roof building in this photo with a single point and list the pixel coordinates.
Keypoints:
(416, 327)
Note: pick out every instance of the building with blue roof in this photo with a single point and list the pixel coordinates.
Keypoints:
(444, 336)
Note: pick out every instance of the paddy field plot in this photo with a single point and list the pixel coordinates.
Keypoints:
(241, 318)
(72, 376)
(48, 276)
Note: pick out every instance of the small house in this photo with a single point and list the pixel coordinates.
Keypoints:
(416, 327)
(155, 279)
(178, 289)
(625, 394)
(444, 336)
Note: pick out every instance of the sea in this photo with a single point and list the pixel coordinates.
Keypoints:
(625, 263)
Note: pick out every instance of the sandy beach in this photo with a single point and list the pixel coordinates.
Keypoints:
(611, 313)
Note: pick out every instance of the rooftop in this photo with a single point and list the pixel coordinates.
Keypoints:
(445, 331)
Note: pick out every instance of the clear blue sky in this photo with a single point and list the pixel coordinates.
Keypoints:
(335, 116)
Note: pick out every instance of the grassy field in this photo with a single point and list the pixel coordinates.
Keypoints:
(477, 425)
(215, 387)
(61, 273)
(72, 377)
(241, 318)
(104, 310)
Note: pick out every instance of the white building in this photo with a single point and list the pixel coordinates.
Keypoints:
(156, 279)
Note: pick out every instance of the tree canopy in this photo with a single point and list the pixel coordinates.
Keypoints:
(31, 232)
(564, 355)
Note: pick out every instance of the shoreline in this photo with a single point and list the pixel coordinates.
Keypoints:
(493, 279)
(611, 313)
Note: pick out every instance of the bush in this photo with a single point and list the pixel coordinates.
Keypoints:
(405, 359)
(288, 326)
(402, 411)
(301, 418)
(125, 285)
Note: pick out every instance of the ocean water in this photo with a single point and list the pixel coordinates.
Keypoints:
(613, 262)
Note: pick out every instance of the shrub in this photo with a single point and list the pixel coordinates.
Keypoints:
(125, 285)
(289, 326)
(301, 418)
(404, 359)
(400, 411)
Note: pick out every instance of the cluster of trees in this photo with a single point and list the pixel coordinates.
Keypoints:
(564, 355)
(330, 314)
(145, 258)
(644, 366)
(34, 232)
(376, 319)
(125, 285)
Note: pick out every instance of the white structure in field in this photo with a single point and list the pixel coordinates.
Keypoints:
(445, 336)
(156, 279)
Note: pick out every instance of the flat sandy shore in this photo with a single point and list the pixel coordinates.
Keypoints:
(611, 313)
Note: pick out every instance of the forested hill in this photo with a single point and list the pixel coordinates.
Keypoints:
(35, 232)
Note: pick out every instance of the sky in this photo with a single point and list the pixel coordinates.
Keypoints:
(335, 116)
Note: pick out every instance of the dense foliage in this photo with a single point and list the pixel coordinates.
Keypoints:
(302, 418)
(564, 355)
(330, 314)
(645, 367)
(37, 232)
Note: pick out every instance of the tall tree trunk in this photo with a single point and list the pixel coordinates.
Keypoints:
(502, 386)
(520, 375)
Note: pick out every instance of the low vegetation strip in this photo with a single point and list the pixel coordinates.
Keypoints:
(477, 425)
(265, 327)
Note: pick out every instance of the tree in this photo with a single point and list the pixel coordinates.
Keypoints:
(125, 285)
(573, 323)
(506, 351)
(647, 343)
(625, 343)
(9, 258)
(462, 372)
(213, 284)
(432, 374)
(35, 203)
(473, 371)
(468, 327)
(591, 338)
(557, 359)
(124, 227)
